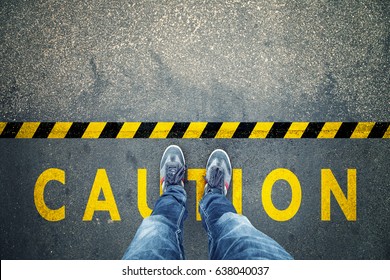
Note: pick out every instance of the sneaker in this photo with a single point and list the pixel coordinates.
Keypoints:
(172, 167)
(218, 173)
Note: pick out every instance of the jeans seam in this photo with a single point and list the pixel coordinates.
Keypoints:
(208, 227)
(180, 217)
(178, 243)
(178, 231)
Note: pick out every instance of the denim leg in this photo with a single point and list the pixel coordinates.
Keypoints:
(232, 236)
(160, 236)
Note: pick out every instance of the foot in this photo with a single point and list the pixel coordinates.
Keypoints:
(218, 173)
(172, 167)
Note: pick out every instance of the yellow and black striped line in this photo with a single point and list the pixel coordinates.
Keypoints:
(193, 130)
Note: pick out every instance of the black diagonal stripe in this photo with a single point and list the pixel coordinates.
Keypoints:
(43, 130)
(77, 130)
(244, 130)
(111, 130)
(145, 129)
(11, 129)
(178, 129)
(278, 130)
(211, 130)
(313, 129)
(346, 129)
(379, 130)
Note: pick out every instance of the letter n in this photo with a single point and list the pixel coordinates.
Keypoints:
(329, 185)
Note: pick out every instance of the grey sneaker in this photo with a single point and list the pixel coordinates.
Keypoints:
(172, 167)
(218, 173)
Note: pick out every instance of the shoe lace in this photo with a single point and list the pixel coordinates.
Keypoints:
(216, 180)
(174, 174)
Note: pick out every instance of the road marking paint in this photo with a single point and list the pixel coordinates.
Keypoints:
(94, 130)
(27, 130)
(329, 130)
(128, 130)
(194, 130)
(296, 130)
(261, 130)
(387, 134)
(60, 130)
(362, 130)
(2, 126)
(161, 130)
(227, 130)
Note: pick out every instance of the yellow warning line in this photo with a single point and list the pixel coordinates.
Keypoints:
(27, 130)
(161, 130)
(128, 130)
(261, 130)
(329, 130)
(94, 130)
(296, 130)
(193, 130)
(2, 126)
(387, 133)
(60, 130)
(227, 130)
(363, 129)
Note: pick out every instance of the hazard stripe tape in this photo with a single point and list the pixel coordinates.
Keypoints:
(188, 130)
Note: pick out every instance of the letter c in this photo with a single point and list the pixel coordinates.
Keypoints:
(51, 174)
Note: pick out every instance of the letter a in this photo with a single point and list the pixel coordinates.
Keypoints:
(101, 183)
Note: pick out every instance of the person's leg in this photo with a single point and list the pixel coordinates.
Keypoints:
(160, 236)
(231, 236)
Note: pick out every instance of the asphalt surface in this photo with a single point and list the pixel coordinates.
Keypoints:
(193, 61)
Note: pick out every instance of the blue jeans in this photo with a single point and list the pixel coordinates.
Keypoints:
(231, 236)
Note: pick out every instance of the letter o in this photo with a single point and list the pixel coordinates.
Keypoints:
(296, 194)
